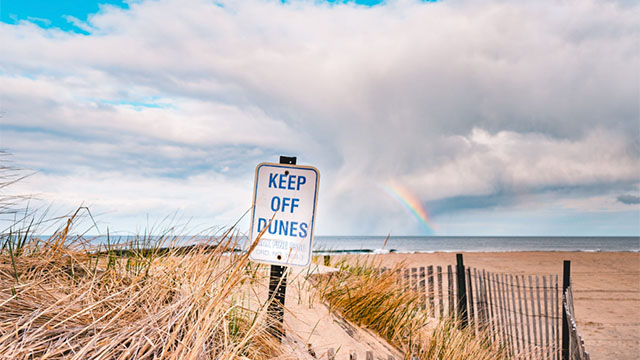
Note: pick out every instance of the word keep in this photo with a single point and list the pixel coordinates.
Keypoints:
(280, 181)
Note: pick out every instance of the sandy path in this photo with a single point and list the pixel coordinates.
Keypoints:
(309, 321)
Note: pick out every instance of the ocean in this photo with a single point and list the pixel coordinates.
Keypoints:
(427, 244)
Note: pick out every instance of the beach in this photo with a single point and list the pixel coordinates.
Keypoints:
(606, 289)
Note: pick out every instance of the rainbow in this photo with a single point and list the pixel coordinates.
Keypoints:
(412, 204)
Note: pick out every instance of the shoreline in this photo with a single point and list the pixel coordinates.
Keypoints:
(393, 251)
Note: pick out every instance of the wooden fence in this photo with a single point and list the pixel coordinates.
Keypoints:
(436, 296)
(521, 313)
(576, 350)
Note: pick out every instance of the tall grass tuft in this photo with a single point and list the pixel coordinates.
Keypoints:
(377, 301)
(62, 298)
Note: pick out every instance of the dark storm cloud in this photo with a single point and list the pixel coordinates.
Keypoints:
(629, 199)
(461, 203)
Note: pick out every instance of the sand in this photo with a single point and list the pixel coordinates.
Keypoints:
(606, 290)
(310, 323)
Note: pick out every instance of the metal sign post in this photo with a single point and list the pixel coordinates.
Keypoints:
(278, 286)
(284, 206)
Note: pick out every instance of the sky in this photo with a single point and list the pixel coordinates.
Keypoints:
(423, 118)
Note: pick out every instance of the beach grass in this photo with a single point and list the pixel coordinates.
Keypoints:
(63, 298)
(375, 300)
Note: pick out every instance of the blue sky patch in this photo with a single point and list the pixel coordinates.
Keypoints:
(152, 104)
(56, 14)
(53, 14)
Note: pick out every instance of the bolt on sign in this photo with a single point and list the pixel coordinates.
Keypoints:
(288, 194)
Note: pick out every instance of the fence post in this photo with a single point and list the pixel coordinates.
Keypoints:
(278, 286)
(462, 292)
(566, 281)
(450, 291)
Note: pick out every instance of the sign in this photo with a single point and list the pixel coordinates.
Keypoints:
(284, 202)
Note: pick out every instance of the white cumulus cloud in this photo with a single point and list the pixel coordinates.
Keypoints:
(457, 100)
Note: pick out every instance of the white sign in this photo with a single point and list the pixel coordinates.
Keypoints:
(288, 194)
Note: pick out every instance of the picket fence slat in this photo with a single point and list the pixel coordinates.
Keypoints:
(478, 324)
(477, 278)
(577, 349)
(558, 317)
(526, 311)
(413, 280)
(540, 317)
(497, 307)
(514, 316)
(430, 287)
(470, 298)
(450, 285)
(522, 340)
(422, 286)
(507, 317)
(440, 305)
(494, 325)
(513, 333)
(533, 315)
(552, 348)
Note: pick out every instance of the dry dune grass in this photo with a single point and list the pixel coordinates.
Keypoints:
(57, 300)
(61, 299)
(374, 300)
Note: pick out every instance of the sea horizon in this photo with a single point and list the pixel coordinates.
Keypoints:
(375, 244)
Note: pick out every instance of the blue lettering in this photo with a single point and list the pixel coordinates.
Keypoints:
(301, 180)
(273, 227)
(284, 228)
(272, 180)
(279, 181)
(285, 203)
(303, 230)
(278, 204)
(261, 223)
(275, 203)
(291, 183)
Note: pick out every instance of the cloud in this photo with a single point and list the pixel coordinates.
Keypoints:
(629, 199)
(482, 163)
(469, 202)
(78, 23)
(459, 101)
